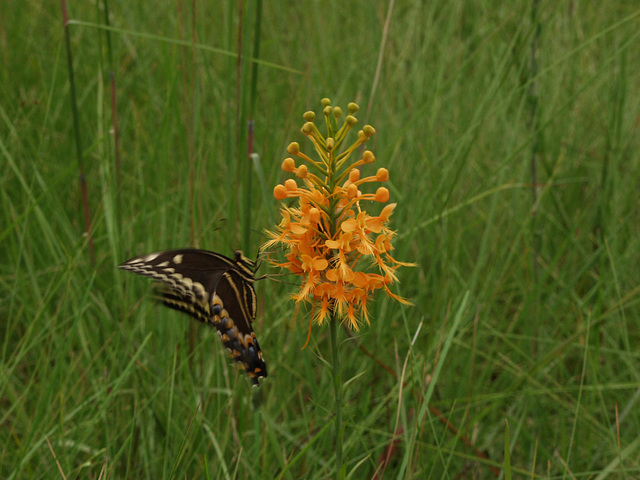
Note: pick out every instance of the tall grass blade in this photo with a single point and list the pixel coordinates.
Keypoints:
(76, 129)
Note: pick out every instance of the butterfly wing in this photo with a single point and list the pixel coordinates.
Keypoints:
(235, 317)
(213, 289)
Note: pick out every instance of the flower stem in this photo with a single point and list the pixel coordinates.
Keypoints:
(337, 389)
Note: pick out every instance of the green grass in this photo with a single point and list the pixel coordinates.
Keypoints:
(526, 297)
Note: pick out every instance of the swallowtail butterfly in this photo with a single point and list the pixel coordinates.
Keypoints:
(213, 289)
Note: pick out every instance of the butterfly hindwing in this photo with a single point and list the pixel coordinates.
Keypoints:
(236, 332)
(213, 289)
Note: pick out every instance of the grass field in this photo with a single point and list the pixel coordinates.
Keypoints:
(510, 131)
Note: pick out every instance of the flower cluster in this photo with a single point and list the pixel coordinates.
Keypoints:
(339, 249)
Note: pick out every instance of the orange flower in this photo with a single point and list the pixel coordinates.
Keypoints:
(341, 251)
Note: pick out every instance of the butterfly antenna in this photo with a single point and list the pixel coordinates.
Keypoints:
(271, 276)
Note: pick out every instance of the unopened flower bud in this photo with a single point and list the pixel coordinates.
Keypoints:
(293, 148)
(288, 164)
(314, 215)
(280, 192)
(368, 157)
(369, 130)
(291, 185)
(382, 195)
(302, 171)
(382, 175)
(330, 143)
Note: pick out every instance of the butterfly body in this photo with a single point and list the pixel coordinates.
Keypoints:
(213, 289)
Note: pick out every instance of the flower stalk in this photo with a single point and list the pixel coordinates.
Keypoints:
(334, 325)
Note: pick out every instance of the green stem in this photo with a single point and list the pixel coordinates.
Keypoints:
(337, 388)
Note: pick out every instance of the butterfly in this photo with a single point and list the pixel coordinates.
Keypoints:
(213, 289)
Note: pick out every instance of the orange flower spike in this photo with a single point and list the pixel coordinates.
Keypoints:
(340, 251)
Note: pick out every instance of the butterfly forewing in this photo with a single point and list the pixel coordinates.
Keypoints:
(213, 289)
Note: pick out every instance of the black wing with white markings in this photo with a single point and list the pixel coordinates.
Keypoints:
(213, 289)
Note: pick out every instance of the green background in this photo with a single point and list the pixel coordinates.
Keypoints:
(510, 131)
